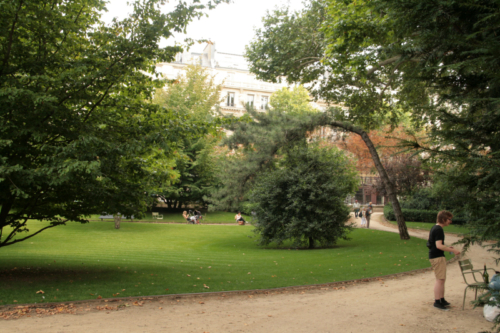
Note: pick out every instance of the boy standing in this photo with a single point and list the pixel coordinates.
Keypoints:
(436, 257)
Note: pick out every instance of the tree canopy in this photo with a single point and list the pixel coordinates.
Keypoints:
(79, 133)
(193, 93)
(302, 198)
(297, 46)
(441, 61)
(436, 59)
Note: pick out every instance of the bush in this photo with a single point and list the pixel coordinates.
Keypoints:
(303, 198)
(418, 215)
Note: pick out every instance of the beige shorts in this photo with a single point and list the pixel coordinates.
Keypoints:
(439, 267)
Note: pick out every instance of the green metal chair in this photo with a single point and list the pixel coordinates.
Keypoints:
(466, 268)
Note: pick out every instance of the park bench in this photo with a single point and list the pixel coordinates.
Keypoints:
(111, 217)
(157, 216)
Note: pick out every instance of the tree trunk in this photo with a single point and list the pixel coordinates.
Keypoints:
(311, 243)
(389, 186)
(118, 219)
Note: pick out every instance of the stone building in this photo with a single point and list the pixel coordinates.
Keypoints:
(239, 86)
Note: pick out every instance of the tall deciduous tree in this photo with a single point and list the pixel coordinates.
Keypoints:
(404, 167)
(441, 59)
(78, 133)
(296, 46)
(196, 95)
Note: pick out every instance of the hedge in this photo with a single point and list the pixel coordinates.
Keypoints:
(417, 215)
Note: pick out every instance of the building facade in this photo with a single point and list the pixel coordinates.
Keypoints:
(239, 86)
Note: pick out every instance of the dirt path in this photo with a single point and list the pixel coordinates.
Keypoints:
(402, 304)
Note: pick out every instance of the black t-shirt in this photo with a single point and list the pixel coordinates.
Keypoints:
(435, 234)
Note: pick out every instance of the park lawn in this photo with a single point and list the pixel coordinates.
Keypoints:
(79, 262)
(451, 229)
(208, 217)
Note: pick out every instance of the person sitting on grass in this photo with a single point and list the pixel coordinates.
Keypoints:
(186, 216)
(198, 216)
(239, 218)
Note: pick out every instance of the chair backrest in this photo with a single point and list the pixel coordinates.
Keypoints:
(154, 214)
(465, 265)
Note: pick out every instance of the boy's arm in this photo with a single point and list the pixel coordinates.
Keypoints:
(442, 247)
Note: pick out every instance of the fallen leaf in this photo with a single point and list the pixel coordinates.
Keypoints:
(201, 302)
(205, 286)
(40, 292)
(188, 275)
(99, 297)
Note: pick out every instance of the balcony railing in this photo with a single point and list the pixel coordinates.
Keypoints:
(254, 86)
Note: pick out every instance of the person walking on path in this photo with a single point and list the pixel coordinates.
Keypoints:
(356, 207)
(437, 259)
(368, 214)
(362, 214)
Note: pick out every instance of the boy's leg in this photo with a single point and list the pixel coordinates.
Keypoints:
(439, 267)
(439, 289)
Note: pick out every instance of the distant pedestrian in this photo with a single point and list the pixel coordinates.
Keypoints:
(356, 207)
(436, 257)
(362, 214)
(368, 214)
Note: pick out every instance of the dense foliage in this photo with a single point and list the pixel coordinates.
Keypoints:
(444, 60)
(192, 94)
(78, 132)
(257, 140)
(298, 46)
(302, 199)
(419, 215)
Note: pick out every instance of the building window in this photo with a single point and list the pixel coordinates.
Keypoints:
(263, 102)
(230, 99)
(250, 100)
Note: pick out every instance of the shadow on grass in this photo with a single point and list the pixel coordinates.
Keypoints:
(51, 274)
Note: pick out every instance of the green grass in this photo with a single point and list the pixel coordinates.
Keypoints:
(77, 262)
(451, 229)
(210, 217)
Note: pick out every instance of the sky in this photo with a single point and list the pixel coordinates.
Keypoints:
(230, 26)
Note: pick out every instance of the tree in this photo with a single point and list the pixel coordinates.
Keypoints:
(79, 134)
(452, 49)
(302, 199)
(295, 46)
(257, 139)
(404, 167)
(295, 100)
(194, 94)
(441, 59)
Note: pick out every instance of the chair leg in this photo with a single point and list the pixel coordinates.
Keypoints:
(465, 294)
